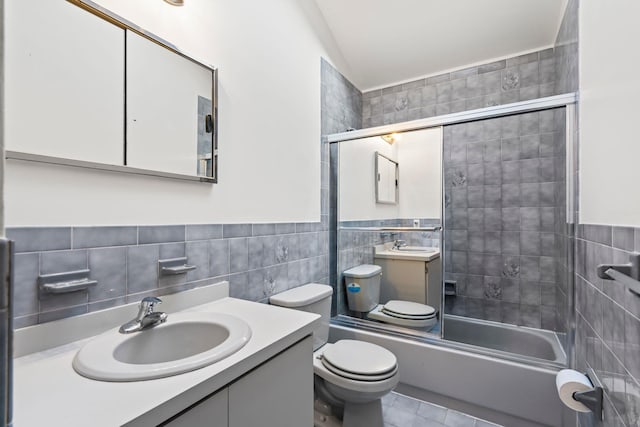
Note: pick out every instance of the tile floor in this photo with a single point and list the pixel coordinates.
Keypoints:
(403, 411)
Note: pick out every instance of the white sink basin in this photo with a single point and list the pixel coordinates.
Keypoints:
(187, 341)
(415, 249)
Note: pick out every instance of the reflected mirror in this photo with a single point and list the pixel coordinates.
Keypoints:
(386, 179)
(388, 245)
(108, 94)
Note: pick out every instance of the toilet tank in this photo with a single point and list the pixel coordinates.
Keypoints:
(313, 298)
(363, 287)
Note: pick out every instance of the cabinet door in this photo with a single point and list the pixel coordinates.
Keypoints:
(211, 412)
(402, 280)
(279, 393)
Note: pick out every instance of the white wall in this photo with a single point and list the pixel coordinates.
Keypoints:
(357, 185)
(609, 93)
(268, 54)
(419, 156)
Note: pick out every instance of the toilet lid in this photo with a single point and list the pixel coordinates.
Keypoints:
(408, 309)
(405, 316)
(360, 360)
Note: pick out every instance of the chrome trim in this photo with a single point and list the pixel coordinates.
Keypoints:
(464, 116)
(146, 318)
(114, 18)
(434, 228)
(40, 158)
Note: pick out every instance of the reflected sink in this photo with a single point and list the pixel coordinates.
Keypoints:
(187, 341)
(415, 249)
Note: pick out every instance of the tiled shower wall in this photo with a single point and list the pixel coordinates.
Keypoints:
(608, 323)
(356, 247)
(258, 260)
(504, 217)
(566, 51)
(510, 80)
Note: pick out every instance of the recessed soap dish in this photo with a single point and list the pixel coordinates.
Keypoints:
(174, 266)
(62, 283)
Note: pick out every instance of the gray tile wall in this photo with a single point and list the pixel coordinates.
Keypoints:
(566, 51)
(504, 217)
(356, 247)
(341, 101)
(510, 80)
(607, 314)
(341, 109)
(608, 323)
(257, 259)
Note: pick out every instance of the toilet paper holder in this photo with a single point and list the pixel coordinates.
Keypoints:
(592, 399)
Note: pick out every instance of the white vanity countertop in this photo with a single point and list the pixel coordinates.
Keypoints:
(47, 391)
(385, 251)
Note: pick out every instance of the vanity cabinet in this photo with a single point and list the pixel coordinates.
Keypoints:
(278, 393)
(211, 412)
(411, 280)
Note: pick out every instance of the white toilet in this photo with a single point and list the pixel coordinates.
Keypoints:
(363, 296)
(349, 374)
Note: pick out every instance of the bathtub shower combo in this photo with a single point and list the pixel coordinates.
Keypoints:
(466, 219)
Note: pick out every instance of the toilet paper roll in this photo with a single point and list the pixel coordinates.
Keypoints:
(568, 382)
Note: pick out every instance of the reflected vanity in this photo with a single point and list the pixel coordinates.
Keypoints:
(115, 97)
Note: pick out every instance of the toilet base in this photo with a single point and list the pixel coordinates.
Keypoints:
(363, 414)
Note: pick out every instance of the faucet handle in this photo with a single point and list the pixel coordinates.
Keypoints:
(147, 304)
(152, 300)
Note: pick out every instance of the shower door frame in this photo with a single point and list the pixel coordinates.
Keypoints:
(567, 101)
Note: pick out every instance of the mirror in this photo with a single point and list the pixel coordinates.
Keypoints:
(168, 101)
(396, 230)
(386, 179)
(99, 92)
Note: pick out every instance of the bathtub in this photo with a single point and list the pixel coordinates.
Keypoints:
(527, 342)
(509, 390)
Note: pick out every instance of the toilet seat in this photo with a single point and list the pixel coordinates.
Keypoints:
(423, 322)
(359, 360)
(408, 310)
(340, 377)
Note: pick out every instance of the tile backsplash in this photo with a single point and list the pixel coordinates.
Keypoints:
(258, 260)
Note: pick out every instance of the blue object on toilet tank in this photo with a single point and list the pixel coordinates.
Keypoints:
(353, 287)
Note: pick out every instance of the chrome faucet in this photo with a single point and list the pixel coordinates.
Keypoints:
(146, 318)
(397, 244)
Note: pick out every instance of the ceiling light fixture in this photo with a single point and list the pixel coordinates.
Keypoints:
(175, 2)
(391, 138)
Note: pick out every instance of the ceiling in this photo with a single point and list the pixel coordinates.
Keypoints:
(391, 41)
